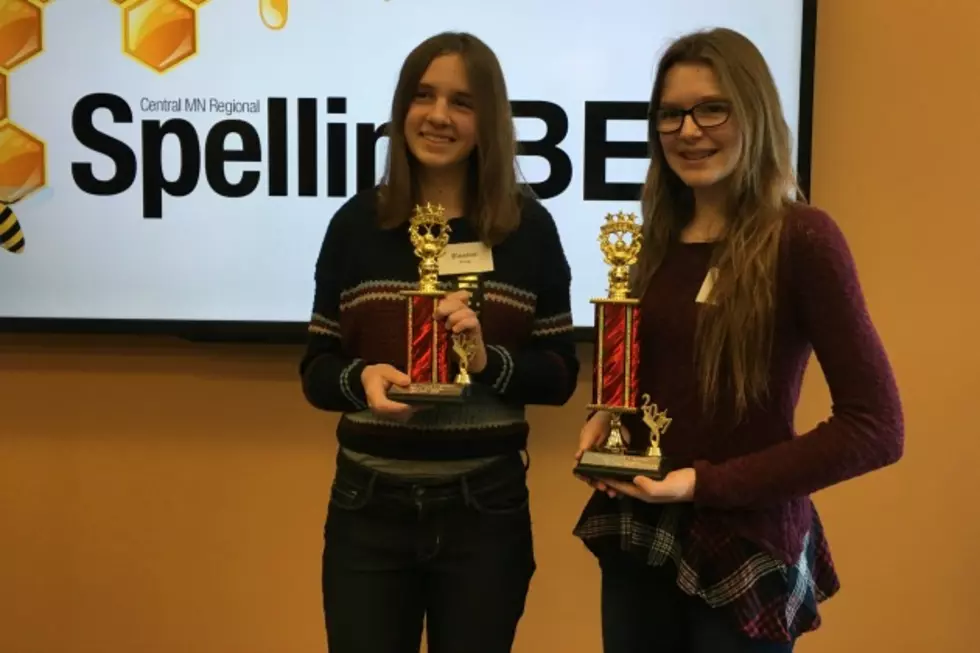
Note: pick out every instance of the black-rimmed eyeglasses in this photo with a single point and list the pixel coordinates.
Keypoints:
(708, 114)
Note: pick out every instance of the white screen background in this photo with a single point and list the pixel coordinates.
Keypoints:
(252, 259)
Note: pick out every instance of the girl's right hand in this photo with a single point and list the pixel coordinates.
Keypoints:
(377, 380)
(595, 431)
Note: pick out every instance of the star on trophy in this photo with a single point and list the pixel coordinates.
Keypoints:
(430, 344)
(617, 355)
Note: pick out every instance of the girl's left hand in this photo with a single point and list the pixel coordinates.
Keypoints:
(676, 487)
(460, 318)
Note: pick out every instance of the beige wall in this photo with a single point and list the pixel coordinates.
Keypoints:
(158, 497)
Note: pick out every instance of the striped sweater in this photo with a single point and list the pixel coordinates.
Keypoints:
(359, 318)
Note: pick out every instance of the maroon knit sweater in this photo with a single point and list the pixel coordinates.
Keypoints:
(754, 477)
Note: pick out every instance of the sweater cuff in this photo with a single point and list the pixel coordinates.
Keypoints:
(707, 491)
(350, 384)
(499, 370)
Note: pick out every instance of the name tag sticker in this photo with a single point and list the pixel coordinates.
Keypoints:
(707, 286)
(466, 258)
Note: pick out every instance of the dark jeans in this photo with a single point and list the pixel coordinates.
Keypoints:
(643, 611)
(457, 555)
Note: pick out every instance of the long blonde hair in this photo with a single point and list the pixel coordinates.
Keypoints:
(734, 337)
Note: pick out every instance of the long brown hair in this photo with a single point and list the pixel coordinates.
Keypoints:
(734, 334)
(492, 194)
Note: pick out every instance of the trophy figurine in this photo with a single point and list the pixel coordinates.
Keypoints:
(463, 349)
(617, 354)
(429, 343)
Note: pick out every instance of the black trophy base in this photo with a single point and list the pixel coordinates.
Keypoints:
(598, 465)
(429, 393)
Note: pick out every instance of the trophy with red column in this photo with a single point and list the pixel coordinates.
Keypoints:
(430, 345)
(617, 354)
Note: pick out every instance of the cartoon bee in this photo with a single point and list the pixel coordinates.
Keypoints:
(11, 235)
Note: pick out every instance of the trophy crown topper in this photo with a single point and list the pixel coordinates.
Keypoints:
(429, 230)
(620, 240)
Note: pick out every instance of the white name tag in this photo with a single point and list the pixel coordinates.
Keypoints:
(706, 287)
(466, 258)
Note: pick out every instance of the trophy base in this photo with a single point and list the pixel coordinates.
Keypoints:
(429, 393)
(621, 466)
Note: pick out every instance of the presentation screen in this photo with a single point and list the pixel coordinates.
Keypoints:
(176, 162)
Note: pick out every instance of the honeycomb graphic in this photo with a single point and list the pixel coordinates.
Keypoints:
(3, 97)
(21, 164)
(159, 33)
(162, 34)
(22, 155)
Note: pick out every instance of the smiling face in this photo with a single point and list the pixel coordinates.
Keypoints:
(440, 126)
(698, 132)
(451, 137)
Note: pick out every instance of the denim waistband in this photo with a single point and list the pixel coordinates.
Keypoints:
(511, 467)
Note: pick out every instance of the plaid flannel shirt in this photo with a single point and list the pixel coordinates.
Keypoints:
(765, 598)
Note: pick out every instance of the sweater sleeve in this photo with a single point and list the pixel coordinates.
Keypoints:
(331, 379)
(545, 370)
(866, 428)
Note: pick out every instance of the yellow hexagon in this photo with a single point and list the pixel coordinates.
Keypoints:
(159, 33)
(20, 32)
(3, 97)
(21, 164)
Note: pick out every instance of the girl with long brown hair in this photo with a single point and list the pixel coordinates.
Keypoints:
(740, 282)
(428, 521)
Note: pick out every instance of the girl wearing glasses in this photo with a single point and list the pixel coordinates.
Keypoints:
(739, 283)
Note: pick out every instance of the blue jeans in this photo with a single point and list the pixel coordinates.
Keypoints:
(643, 611)
(456, 555)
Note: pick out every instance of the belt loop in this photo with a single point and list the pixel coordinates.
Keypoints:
(358, 471)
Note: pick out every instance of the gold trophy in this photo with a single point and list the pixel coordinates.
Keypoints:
(429, 343)
(617, 353)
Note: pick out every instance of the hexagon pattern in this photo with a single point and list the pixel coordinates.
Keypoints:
(20, 32)
(21, 164)
(159, 33)
(3, 97)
